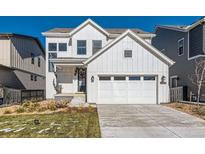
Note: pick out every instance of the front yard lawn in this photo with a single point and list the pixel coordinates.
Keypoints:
(195, 110)
(53, 125)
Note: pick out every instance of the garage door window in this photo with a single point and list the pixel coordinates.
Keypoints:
(119, 78)
(149, 77)
(133, 78)
(104, 78)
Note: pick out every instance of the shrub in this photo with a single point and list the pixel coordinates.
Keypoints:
(61, 104)
(200, 111)
(20, 110)
(7, 111)
(42, 109)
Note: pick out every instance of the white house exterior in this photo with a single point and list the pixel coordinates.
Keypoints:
(111, 66)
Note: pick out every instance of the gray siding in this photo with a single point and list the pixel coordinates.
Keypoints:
(21, 50)
(196, 41)
(19, 80)
(183, 68)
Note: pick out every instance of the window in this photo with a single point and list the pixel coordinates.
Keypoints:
(52, 55)
(62, 47)
(128, 53)
(52, 46)
(39, 62)
(173, 81)
(32, 58)
(149, 77)
(104, 78)
(97, 45)
(119, 78)
(181, 47)
(31, 77)
(134, 77)
(81, 47)
(35, 78)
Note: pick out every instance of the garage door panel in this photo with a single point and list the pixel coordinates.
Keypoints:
(127, 92)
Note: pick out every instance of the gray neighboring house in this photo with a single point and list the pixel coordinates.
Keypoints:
(183, 44)
(22, 62)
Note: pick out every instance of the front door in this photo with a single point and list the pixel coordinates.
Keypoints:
(82, 80)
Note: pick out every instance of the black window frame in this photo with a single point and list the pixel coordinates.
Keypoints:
(119, 78)
(180, 47)
(104, 78)
(31, 77)
(96, 48)
(134, 78)
(60, 47)
(32, 58)
(149, 78)
(39, 62)
(127, 53)
(35, 78)
(80, 47)
(49, 45)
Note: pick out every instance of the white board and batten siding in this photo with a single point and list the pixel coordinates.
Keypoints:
(88, 33)
(112, 62)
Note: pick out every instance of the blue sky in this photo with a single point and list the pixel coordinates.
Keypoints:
(35, 25)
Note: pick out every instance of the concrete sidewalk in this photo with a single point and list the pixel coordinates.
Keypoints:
(148, 121)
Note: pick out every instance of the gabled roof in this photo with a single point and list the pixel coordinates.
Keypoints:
(182, 28)
(111, 32)
(138, 39)
(89, 21)
(23, 36)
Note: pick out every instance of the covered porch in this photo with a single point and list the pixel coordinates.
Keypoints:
(70, 77)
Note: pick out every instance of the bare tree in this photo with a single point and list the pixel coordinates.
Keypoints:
(198, 77)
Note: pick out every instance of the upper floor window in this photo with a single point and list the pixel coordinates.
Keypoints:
(39, 62)
(128, 53)
(181, 47)
(62, 47)
(81, 47)
(32, 58)
(31, 77)
(97, 45)
(52, 46)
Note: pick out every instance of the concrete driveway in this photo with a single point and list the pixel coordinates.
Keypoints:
(152, 121)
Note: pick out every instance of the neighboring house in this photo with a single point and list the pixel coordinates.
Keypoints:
(183, 44)
(22, 62)
(110, 66)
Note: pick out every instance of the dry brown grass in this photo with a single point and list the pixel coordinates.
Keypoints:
(195, 110)
(44, 107)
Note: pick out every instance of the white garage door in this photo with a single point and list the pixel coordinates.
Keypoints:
(127, 90)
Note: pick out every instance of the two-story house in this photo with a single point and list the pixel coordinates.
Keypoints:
(108, 65)
(22, 62)
(183, 44)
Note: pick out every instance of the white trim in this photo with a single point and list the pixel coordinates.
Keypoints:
(47, 34)
(88, 21)
(139, 39)
(197, 56)
(178, 46)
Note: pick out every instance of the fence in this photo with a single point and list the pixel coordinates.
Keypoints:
(178, 94)
(15, 96)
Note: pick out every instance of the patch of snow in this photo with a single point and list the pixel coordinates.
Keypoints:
(6, 130)
(43, 130)
(18, 130)
(55, 124)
